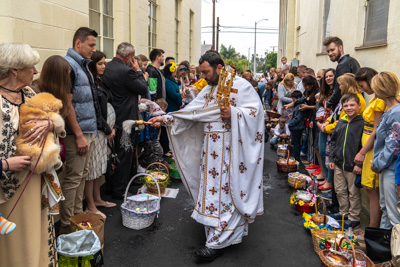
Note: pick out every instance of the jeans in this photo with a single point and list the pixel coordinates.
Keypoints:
(322, 150)
(274, 140)
(388, 198)
(296, 141)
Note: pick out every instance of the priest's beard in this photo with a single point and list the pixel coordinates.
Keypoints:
(214, 79)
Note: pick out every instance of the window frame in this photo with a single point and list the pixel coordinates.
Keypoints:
(177, 24)
(191, 21)
(368, 22)
(100, 29)
(152, 24)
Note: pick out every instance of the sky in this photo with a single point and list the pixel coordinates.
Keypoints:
(243, 14)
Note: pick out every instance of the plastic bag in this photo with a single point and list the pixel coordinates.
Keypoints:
(80, 243)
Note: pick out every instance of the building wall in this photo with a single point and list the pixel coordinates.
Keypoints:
(49, 25)
(301, 34)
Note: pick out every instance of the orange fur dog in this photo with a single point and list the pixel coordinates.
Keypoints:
(41, 107)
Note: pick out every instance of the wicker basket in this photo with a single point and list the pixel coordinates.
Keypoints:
(318, 234)
(286, 167)
(326, 263)
(273, 114)
(139, 220)
(151, 186)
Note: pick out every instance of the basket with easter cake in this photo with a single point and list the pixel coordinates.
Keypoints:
(160, 173)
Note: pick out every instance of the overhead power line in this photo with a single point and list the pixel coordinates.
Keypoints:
(243, 32)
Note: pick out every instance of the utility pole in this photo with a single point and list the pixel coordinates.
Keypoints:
(217, 47)
(248, 62)
(273, 49)
(213, 27)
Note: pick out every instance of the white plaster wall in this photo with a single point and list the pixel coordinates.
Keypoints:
(347, 22)
(49, 25)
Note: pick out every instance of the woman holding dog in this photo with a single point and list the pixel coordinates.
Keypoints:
(32, 243)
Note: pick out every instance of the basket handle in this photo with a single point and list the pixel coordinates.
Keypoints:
(143, 174)
(352, 247)
(320, 200)
(158, 163)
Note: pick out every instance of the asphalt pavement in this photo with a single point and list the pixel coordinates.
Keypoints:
(276, 238)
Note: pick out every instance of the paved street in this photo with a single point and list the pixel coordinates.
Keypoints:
(277, 238)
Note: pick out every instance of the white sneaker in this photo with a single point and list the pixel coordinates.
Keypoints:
(140, 169)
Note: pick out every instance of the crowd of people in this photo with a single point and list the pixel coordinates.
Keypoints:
(324, 116)
(333, 131)
(102, 105)
(97, 97)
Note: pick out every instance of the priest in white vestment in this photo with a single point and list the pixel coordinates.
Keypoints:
(219, 153)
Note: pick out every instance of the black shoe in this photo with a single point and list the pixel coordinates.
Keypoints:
(208, 254)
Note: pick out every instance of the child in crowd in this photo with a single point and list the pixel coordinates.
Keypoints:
(149, 139)
(154, 132)
(296, 124)
(346, 142)
(268, 94)
(281, 132)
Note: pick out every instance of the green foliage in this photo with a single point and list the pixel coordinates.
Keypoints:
(231, 57)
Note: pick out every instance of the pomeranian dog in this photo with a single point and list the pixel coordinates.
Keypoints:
(41, 107)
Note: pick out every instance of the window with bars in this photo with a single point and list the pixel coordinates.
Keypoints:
(376, 22)
(102, 21)
(152, 24)
(177, 30)
(190, 35)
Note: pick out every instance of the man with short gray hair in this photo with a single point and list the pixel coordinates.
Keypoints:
(126, 81)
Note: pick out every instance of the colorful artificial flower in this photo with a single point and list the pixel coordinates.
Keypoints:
(301, 203)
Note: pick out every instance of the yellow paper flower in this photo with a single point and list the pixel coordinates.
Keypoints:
(292, 200)
(301, 203)
(310, 204)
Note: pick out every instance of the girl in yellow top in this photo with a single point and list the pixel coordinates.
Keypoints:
(347, 84)
(372, 115)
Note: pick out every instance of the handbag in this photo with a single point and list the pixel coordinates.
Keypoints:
(113, 160)
(377, 241)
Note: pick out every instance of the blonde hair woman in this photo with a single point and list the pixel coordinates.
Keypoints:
(34, 236)
(386, 86)
(285, 88)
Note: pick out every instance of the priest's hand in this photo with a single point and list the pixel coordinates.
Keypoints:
(156, 121)
(225, 113)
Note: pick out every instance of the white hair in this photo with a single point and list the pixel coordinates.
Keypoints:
(125, 48)
(286, 67)
(16, 56)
